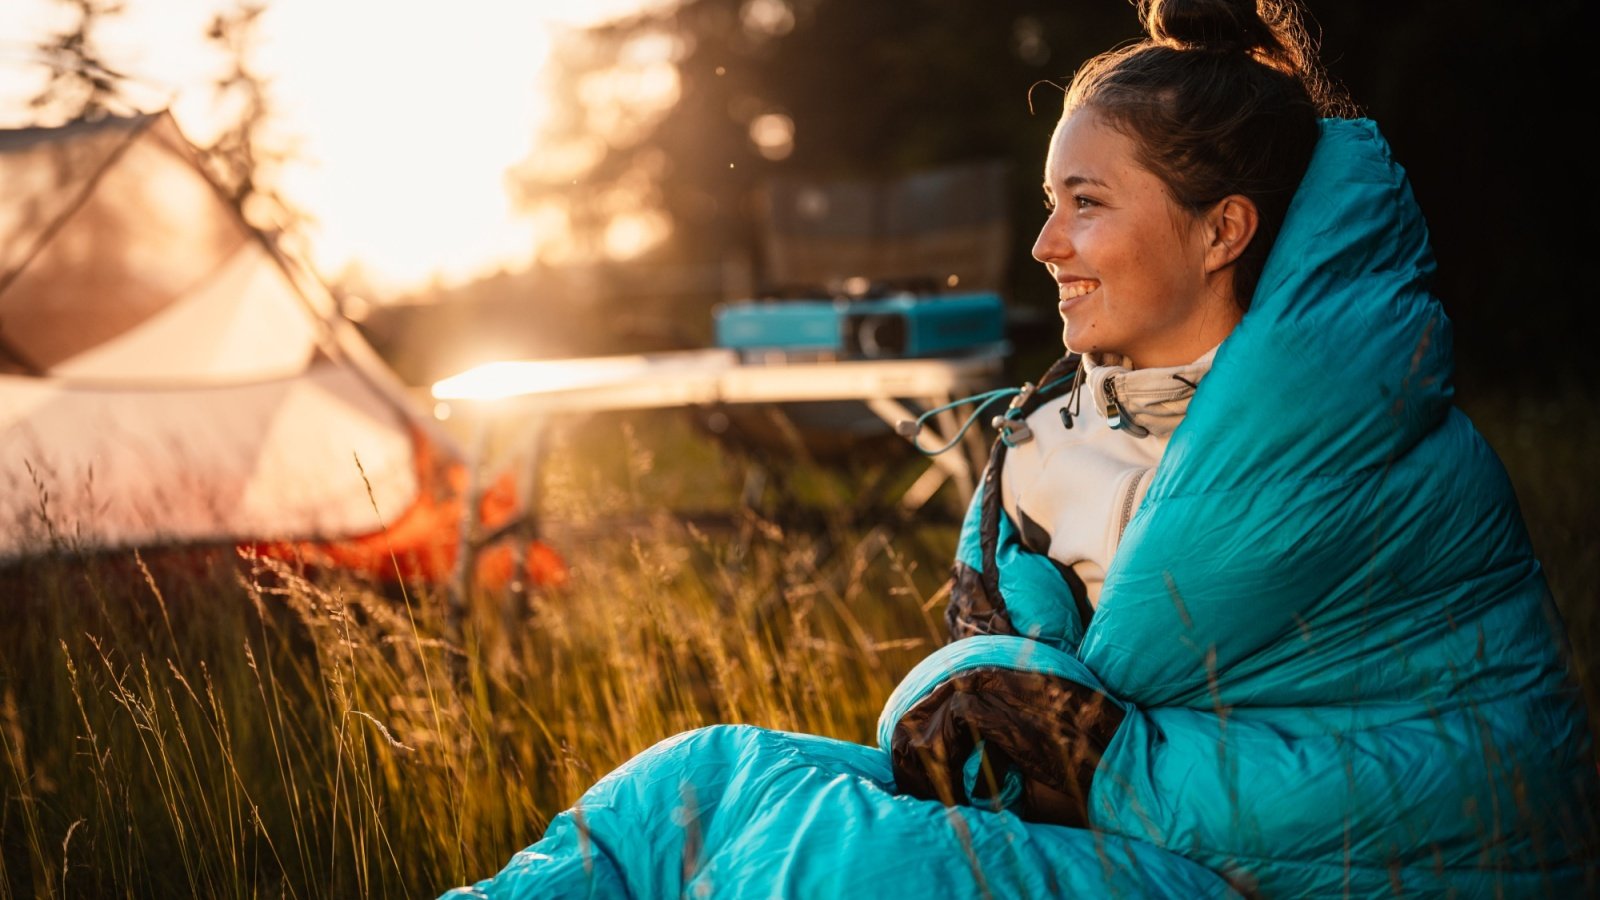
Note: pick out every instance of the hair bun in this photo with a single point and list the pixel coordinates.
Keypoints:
(1215, 25)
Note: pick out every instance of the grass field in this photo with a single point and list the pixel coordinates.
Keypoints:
(203, 724)
(209, 725)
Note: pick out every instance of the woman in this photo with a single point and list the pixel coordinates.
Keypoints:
(1296, 646)
(1166, 194)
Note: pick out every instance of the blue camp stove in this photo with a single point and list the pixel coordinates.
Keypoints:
(896, 327)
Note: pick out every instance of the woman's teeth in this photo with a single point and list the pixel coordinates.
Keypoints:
(1075, 289)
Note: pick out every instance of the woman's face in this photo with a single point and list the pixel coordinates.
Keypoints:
(1134, 270)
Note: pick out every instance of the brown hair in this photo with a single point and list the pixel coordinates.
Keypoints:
(1222, 98)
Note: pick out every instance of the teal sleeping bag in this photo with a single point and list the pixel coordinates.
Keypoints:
(1334, 663)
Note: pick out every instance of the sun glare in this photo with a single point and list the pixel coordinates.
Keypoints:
(500, 380)
(404, 119)
(631, 234)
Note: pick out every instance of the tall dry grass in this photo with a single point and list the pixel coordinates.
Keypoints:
(206, 724)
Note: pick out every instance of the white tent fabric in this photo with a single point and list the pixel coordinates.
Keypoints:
(166, 374)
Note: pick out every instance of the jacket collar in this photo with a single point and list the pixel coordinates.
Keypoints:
(1142, 401)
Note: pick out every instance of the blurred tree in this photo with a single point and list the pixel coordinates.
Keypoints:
(682, 113)
(82, 85)
(241, 158)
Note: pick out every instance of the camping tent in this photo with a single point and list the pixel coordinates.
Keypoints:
(169, 376)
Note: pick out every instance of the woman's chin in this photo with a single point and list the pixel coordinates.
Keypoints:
(1077, 343)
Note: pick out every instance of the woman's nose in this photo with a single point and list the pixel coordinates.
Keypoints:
(1052, 243)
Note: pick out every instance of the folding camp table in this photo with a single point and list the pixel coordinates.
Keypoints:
(528, 393)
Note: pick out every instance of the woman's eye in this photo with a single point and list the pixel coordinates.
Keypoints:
(1083, 202)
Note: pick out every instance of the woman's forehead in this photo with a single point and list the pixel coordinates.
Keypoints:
(1085, 147)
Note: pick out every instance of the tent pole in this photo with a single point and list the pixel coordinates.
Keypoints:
(530, 462)
(466, 546)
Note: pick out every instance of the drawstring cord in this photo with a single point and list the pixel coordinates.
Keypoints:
(1013, 429)
(1071, 409)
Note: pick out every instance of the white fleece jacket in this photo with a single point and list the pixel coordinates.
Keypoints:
(1071, 491)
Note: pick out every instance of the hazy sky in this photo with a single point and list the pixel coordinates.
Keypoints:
(407, 113)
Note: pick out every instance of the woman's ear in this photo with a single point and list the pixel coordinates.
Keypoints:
(1231, 224)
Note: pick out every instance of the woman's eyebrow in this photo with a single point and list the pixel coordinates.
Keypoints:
(1072, 181)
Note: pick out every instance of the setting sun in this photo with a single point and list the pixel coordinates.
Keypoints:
(401, 120)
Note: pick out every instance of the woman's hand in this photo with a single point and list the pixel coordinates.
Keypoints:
(1006, 738)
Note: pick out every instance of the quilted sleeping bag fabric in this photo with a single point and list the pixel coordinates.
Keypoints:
(1330, 661)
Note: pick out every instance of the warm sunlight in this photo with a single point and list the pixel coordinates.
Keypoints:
(499, 380)
(405, 117)
(635, 374)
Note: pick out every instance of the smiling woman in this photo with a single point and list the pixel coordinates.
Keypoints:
(400, 120)
(1225, 620)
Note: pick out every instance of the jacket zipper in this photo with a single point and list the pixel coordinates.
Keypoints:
(1113, 407)
(1127, 503)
